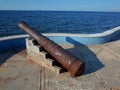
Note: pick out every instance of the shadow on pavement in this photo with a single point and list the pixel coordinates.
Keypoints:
(81, 51)
(5, 55)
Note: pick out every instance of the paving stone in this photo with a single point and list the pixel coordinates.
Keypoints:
(105, 54)
(102, 71)
(110, 73)
(114, 48)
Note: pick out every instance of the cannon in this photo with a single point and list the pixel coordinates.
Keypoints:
(73, 64)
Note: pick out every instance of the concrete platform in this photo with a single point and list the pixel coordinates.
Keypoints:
(102, 70)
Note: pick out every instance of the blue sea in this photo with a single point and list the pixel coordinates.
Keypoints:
(58, 21)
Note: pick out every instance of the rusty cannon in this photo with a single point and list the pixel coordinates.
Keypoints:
(67, 60)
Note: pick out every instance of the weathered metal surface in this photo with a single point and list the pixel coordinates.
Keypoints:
(68, 61)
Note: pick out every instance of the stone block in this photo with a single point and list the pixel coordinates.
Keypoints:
(37, 54)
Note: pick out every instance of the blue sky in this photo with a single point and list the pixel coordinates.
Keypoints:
(64, 5)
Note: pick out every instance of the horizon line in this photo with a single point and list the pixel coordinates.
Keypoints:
(63, 10)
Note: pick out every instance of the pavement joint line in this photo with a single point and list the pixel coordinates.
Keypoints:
(100, 50)
(114, 53)
(39, 78)
(100, 78)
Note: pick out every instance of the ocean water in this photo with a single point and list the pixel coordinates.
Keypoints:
(58, 21)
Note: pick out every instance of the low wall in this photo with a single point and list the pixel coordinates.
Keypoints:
(12, 42)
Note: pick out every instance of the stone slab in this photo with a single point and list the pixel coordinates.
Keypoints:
(34, 53)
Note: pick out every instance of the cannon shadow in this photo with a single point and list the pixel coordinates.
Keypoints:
(81, 51)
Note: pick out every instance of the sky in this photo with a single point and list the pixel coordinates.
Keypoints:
(61, 5)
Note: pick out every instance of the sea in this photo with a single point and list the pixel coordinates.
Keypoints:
(75, 22)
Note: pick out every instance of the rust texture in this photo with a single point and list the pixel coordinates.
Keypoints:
(66, 59)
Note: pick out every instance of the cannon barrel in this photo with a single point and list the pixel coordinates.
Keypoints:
(66, 59)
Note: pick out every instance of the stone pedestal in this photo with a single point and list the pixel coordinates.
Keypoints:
(37, 54)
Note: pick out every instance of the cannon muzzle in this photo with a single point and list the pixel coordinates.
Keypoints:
(66, 59)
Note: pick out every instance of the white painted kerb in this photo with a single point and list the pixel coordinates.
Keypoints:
(103, 34)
